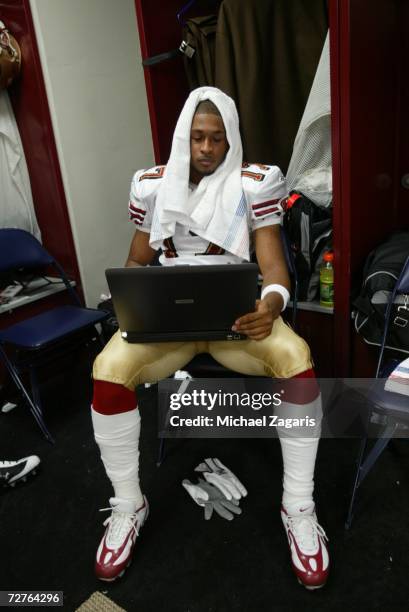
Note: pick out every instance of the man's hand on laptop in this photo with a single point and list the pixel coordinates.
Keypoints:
(258, 325)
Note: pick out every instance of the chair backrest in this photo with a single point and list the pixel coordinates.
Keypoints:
(401, 287)
(19, 249)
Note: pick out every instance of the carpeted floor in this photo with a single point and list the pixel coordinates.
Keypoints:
(51, 526)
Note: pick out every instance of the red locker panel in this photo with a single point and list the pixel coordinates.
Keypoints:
(367, 118)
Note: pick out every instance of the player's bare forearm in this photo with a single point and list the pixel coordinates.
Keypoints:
(272, 264)
(140, 253)
(257, 325)
(270, 256)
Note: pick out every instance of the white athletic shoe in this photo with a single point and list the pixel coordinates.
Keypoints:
(308, 548)
(115, 551)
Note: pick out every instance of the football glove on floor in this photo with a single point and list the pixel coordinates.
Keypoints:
(211, 499)
(221, 477)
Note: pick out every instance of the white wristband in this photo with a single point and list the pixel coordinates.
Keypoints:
(283, 291)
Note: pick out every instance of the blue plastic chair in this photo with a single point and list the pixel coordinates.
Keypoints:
(392, 409)
(35, 341)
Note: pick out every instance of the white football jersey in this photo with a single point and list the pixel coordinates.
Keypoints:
(263, 187)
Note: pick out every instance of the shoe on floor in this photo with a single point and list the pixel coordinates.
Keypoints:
(14, 471)
(308, 548)
(114, 553)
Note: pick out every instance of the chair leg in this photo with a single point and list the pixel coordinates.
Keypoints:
(161, 452)
(365, 465)
(357, 481)
(35, 411)
(185, 382)
(377, 450)
(35, 389)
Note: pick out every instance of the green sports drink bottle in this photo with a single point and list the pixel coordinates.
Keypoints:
(327, 281)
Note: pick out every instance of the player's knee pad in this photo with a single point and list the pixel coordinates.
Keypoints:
(292, 356)
(111, 366)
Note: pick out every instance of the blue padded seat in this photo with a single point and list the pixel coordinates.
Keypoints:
(50, 326)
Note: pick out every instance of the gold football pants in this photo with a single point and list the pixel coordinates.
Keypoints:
(282, 354)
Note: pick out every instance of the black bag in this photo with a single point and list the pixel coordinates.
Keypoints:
(309, 230)
(382, 269)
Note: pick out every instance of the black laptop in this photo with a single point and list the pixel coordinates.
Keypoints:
(176, 303)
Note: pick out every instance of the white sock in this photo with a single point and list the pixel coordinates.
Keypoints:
(298, 481)
(299, 456)
(117, 436)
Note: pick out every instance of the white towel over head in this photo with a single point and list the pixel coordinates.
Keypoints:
(216, 210)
